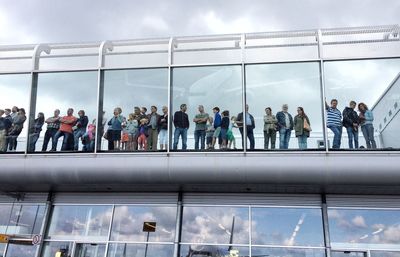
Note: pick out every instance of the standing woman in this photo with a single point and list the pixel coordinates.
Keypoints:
(270, 124)
(302, 127)
(366, 119)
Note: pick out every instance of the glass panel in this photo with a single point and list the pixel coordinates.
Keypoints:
(62, 91)
(80, 222)
(213, 250)
(18, 250)
(2, 248)
(90, 250)
(365, 82)
(289, 227)
(364, 228)
(140, 250)
(274, 86)
(128, 224)
(348, 254)
(286, 252)
(384, 254)
(21, 219)
(209, 87)
(128, 89)
(15, 93)
(215, 225)
(50, 249)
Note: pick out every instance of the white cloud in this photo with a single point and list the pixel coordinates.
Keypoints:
(155, 23)
(359, 221)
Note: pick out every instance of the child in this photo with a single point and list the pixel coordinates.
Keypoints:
(142, 138)
(224, 128)
(209, 132)
(229, 134)
(132, 129)
(89, 137)
(124, 136)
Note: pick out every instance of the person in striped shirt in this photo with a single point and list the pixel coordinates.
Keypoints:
(334, 122)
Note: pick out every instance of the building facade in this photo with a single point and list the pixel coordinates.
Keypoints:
(90, 196)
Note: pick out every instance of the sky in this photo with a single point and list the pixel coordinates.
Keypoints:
(53, 21)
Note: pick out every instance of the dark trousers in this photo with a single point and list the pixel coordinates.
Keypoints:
(250, 136)
(50, 133)
(67, 143)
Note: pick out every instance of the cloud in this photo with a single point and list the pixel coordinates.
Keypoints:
(155, 23)
(359, 222)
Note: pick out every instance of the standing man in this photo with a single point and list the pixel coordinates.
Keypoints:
(153, 119)
(285, 126)
(3, 131)
(66, 124)
(334, 122)
(250, 126)
(53, 125)
(200, 130)
(80, 128)
(351, 122)
(8, 124)
(181, 123)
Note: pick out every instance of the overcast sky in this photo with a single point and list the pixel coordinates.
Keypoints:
(48, 21)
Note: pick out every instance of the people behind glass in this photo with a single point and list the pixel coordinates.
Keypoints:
(11, 125)
(34, 131)
(270, 127)
(200, 121)
(351, 121)
(181, 123)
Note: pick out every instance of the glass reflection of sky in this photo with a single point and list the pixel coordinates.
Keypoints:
(138, 250)
(365, 227)
(14, 250)
(71, 221)
(286, 252)
(212, 250)
(214, 225)
(288, 227)
(21, 219)
(128, 223)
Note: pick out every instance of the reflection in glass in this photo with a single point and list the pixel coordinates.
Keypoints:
(214, 86)
(21, 219)
(348, 254)
(128, 223)
(212, 250)
(273, 85)
(139, 250)
(51, 248)
(214, 225)
(90, 250)
(75, 222)
(15, 92)
(287, 252)
(384, 254)
(364, 228)
(366, 81)
(2, 248)
(289, 227)
(128, 89)
(18, 250)
(61, 91)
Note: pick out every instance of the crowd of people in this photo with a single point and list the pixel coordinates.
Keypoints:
(148, 131)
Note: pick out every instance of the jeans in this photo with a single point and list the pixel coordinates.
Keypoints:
(199, 134)
(183, 133)
(353, 136)
(269, 135)
(32, 141)
(250, 136)
(78, 134)
(368, 132)
(66, 140)
(50, 133)
(337, 131)
(302, 141)
(284, 137)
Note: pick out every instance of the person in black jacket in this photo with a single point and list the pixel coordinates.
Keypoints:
(80, 128)
(351, 123)
(224, 128)
(181, 123)
(250, 125)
